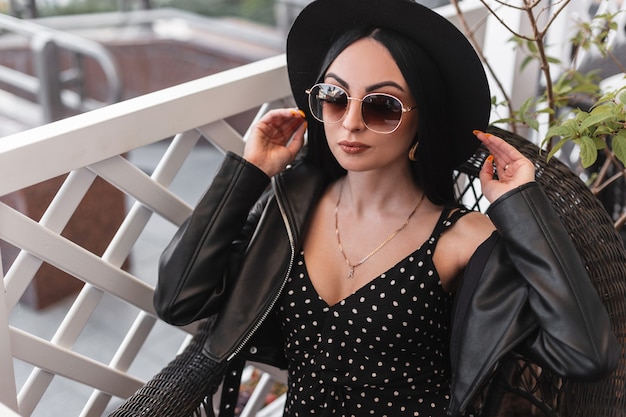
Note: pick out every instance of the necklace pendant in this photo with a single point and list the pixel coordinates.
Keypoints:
(379, 247)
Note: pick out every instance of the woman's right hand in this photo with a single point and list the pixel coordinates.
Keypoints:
(512, 167)
(275, 140)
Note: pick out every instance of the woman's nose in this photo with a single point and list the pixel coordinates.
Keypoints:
(353, 119)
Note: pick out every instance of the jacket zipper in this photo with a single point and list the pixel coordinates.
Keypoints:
(271, 305)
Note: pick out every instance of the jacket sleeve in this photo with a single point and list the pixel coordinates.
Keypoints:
(194, 267)
(574, 336)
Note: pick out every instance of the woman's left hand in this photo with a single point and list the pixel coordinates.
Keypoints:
(275, 140)
(513, 168)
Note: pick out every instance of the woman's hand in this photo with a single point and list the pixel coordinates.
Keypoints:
(275, 140)
(512, 167)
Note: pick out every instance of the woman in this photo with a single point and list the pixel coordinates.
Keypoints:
(356, 270)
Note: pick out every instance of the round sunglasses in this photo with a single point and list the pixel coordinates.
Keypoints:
(381, 113)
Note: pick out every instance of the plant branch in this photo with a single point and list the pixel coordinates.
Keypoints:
(470, 35)
(616, 61)
(539, 37)
(589, 128)
(554, 16)
(510, 6)
(619, 223)
(499, 19)
(601, 182)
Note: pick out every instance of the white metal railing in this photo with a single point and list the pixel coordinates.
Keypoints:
(58, 91)
(85, 147)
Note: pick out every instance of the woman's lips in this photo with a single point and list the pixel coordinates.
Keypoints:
(352, 147)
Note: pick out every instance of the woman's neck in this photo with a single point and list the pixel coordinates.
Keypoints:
(366, 192)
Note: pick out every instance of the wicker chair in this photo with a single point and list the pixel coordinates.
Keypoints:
(519, 388)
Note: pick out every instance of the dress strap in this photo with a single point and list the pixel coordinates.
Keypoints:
(449, 216)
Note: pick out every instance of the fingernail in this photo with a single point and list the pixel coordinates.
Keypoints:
(298, 113)
(490, 158)
(476, 132)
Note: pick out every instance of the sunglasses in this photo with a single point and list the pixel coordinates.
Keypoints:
(381, 113)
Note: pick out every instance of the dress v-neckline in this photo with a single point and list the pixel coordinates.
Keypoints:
(365, 285)
(445, 213)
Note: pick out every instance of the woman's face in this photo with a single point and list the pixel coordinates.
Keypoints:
(362, 68)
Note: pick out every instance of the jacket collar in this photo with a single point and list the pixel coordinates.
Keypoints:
(295, 189)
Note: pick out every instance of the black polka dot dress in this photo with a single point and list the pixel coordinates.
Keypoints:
(382, 351)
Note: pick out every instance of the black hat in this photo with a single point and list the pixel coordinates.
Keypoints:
(322, 22)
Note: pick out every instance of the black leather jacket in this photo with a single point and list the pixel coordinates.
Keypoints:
(524, 288)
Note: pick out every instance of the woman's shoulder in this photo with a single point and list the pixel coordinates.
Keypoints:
(473, 226)
(459, 243)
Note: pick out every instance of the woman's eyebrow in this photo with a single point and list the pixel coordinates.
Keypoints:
(338, 79)
(370, 88)
(384, 84)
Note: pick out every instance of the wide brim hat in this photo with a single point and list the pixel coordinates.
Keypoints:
(322, 22)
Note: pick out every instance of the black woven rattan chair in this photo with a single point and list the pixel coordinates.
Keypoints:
(519, 388)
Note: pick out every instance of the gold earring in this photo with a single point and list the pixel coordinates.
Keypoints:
(412, 151)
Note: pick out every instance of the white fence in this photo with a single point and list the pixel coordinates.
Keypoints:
(83, 148)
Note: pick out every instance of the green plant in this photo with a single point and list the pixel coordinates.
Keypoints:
(599, 127)
(590, 129)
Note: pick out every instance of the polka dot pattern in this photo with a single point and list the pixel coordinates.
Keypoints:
(382, 351)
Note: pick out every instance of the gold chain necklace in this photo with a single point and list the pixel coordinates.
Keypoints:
(379, 247)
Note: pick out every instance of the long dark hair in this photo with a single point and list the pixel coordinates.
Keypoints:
(433, 167)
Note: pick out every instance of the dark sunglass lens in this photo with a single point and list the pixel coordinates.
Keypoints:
(382, 113)
(329, 103)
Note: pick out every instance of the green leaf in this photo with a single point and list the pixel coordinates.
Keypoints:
(563, 89)
(621, 96)
(581, 115)
(564, 130)
(528, 103)
(588, 152)
(556, 147)
(545, 110)
(603, 131)
(599, 142)
(505, 120)
(516, 40)
(533, 123)
(527, 60)
(596, 118)
(619, 146)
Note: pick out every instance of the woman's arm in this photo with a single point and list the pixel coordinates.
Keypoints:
(193, 269)
(574, 337)
(525, 289)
